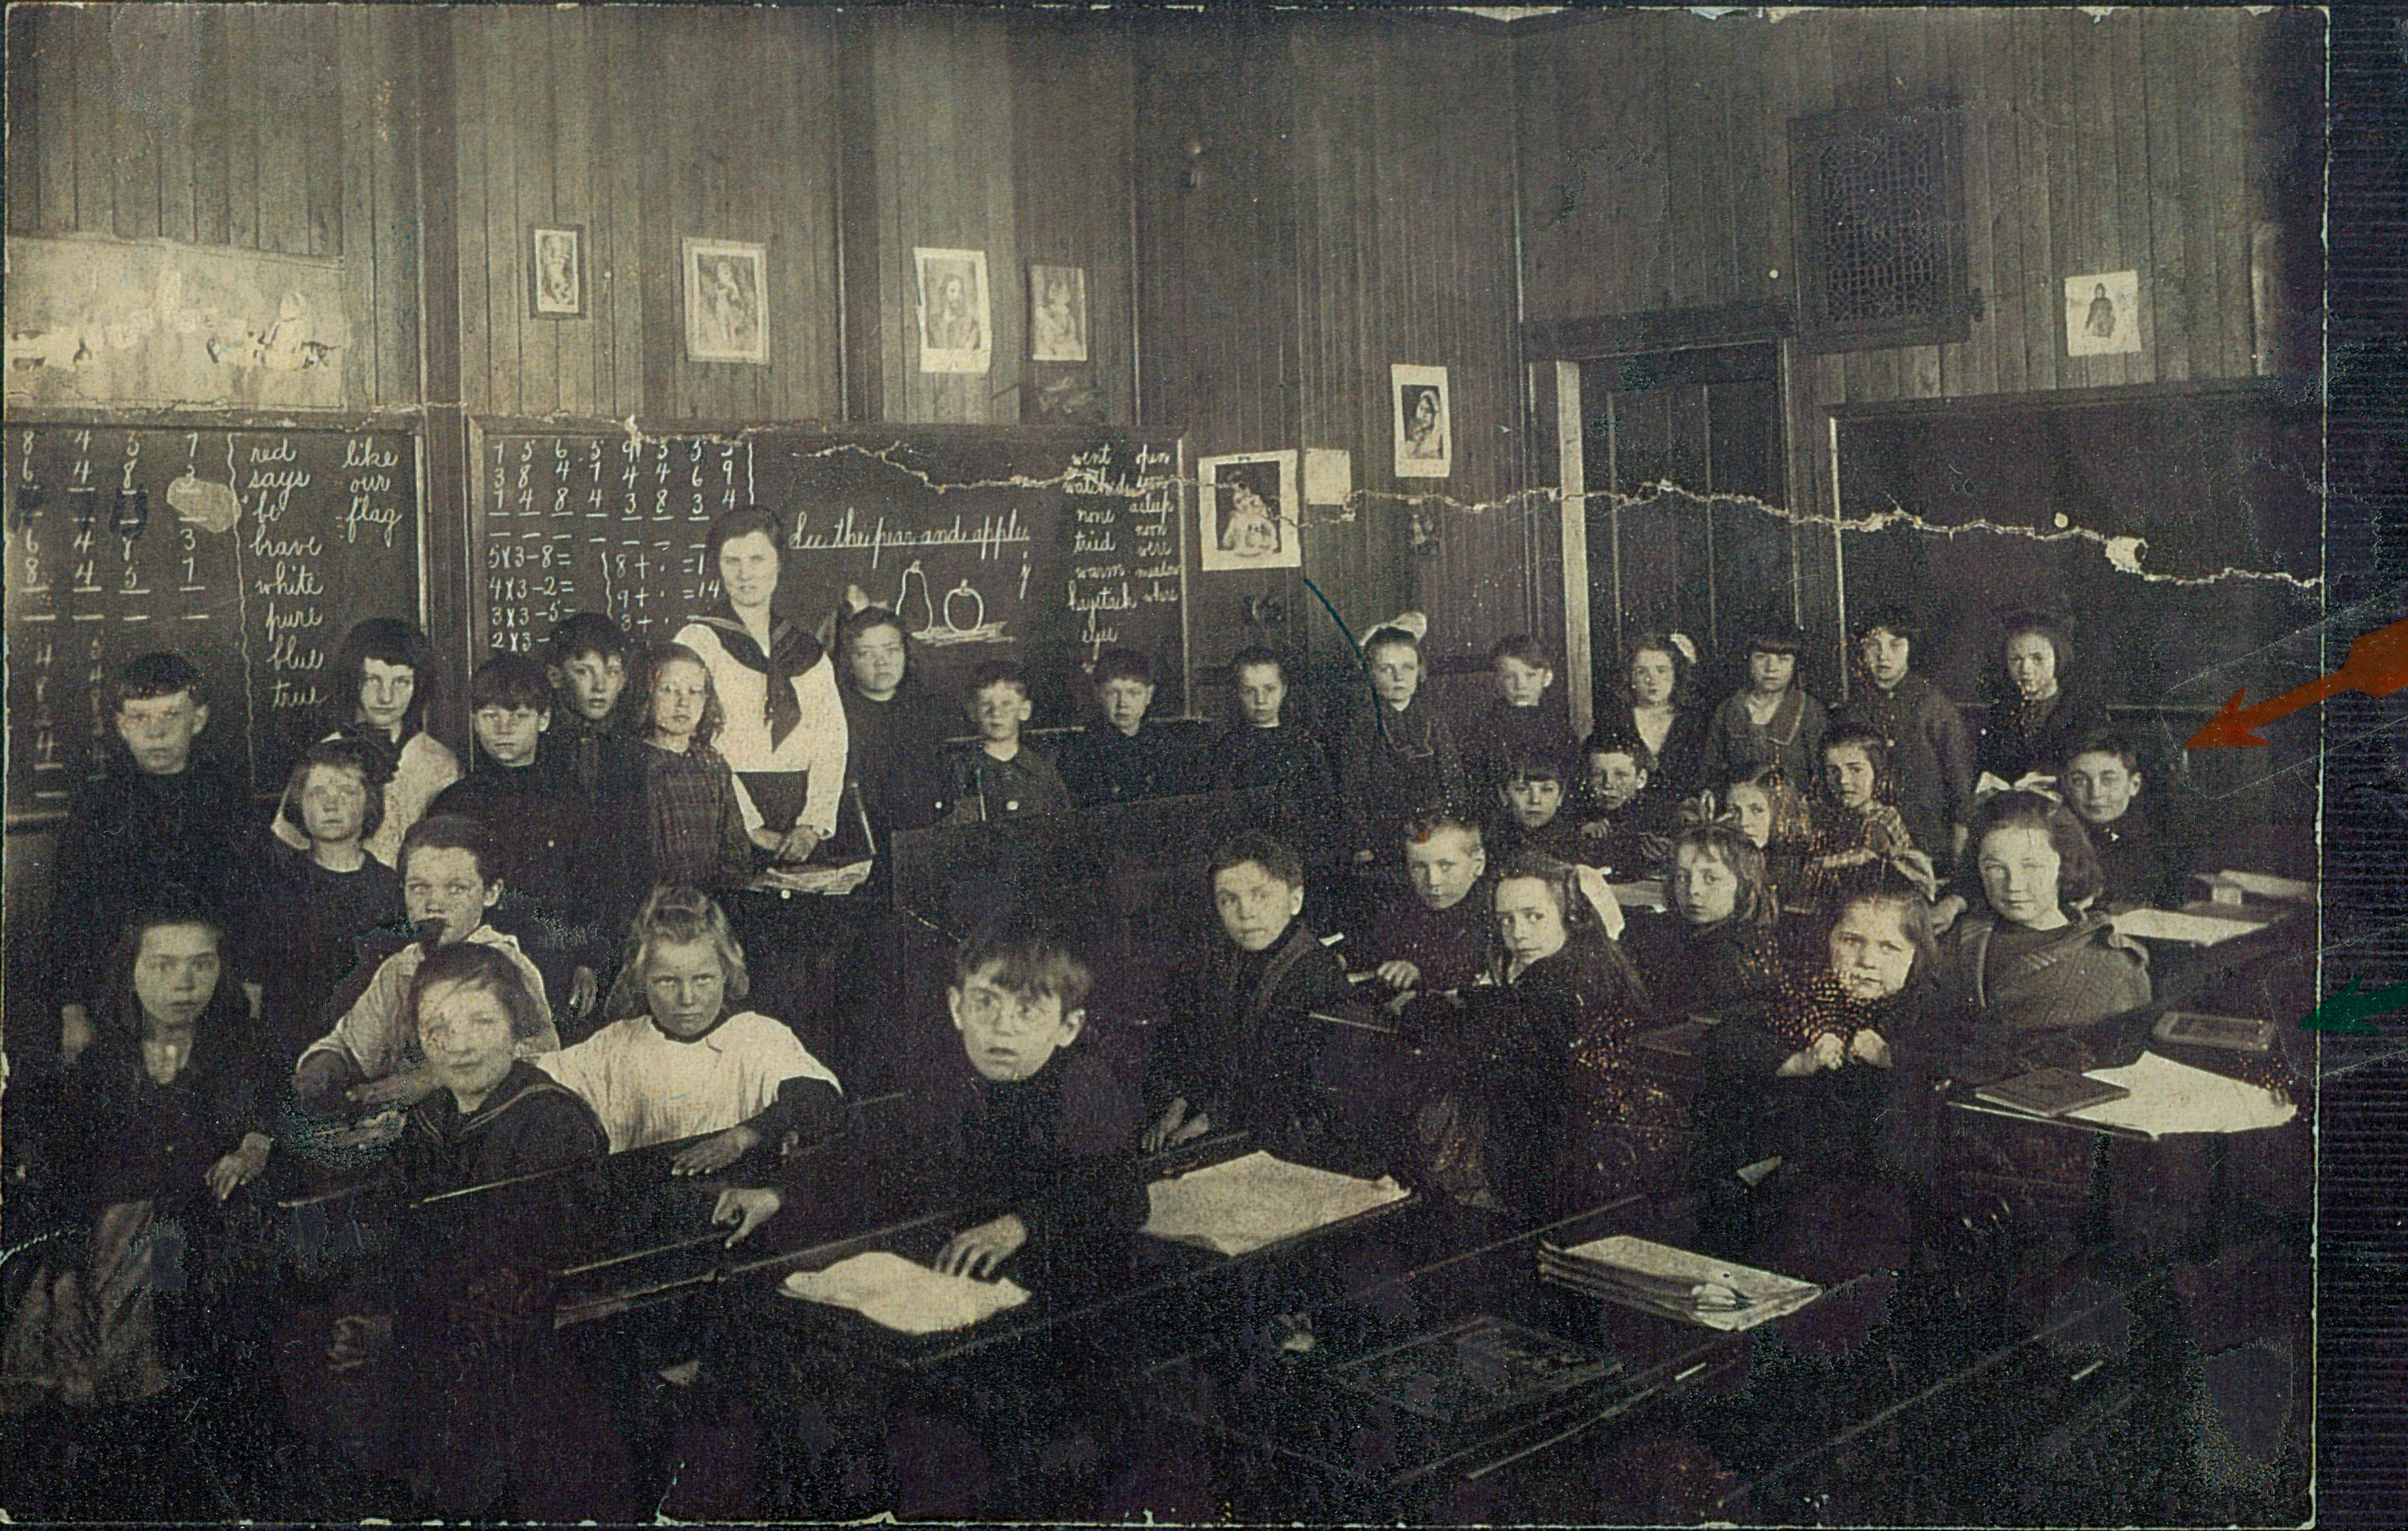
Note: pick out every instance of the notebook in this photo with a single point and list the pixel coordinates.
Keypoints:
(2050, 1092)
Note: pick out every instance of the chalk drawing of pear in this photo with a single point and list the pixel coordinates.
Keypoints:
(926, 617)
(211, 507)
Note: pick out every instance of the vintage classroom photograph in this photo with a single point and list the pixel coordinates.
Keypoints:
(1341, 764)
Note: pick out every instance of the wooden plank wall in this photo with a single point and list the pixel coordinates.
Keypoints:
(648, 125)
(289, 134)
(1320, 196)
(2091, 143)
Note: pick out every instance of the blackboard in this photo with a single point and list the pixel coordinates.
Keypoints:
(1040, 546)
(249, 550)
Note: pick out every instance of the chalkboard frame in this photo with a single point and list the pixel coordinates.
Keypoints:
(484, 428)
(411, 423)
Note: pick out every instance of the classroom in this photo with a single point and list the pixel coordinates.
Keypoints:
(715, 814)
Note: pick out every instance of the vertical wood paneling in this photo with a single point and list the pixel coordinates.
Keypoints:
(2165, 83)
(212, 185)
(469, 57)
(26, 84)
(572, 198)
(356, 60)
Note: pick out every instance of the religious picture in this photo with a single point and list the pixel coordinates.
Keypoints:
(2102, 314)
(1425, 427)
(1058, 313)
(726, 301)
(559, 272)
(1245, 512)
(957, 325)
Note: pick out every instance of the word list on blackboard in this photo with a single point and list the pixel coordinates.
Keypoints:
(248, 551)
(615, 524)
(1125, 555)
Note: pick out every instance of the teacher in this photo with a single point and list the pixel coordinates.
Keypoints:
(784, 737)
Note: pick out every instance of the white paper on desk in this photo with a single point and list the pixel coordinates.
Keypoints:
(895, 1293)
(817, 879)
(1769, 1295)
(2171, 926)
(1242, 1205)
(2171, 1097)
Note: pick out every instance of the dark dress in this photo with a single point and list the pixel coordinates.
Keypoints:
(1928, 755)
(1679, 768)
(304, 921)
(1707, 969)
(1496, 734)
(129, 838)
(1563, 1102)
(1239, 1043)
(2020, 737)
(893, 749)
(1288, 757)
(1392, 766)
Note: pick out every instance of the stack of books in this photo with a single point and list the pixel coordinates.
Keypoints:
(1673, 1283)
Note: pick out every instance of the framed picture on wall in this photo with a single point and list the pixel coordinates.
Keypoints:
(726, 301)
(1245, 512)
(557, 266)
(2102, 314)
(956, 321)
(1424, 422)
(1058, 313)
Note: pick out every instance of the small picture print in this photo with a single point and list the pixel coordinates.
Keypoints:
(2102, 314)
(1424, 422)
(957, 325)
(1058, 313)
(1246, 511)
(726, 301)
(559, 269)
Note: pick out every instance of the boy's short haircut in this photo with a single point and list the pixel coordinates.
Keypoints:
(479, 966)
(850, 627)
(1890, 618)
(509, 681)
(1029, 959)
(2102, 742)
(585, 633)
(1526, 762)
(1254, 656)
(1122, 664)
(1421, 827)
(998, 672)
(452, 832)
(158, 673)
(1522, 647)
(342, 754)
(1280, 864)
(1775, 636)
(1618, 739)
(1390, 637)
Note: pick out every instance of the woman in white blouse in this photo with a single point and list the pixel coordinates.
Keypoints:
(784, 735)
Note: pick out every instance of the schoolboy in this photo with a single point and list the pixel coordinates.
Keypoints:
(1398, 756)
(155, 819)
(999, 777)
(1930, 755)
(1238, 1046)
(586, 665)
(1262, 747)
(1121, 757)
(1620, 817)
(1435, 939)
(1525, 713)
(1532, 801)
(2101, 780)
(1023, 1121)
(569, 868)
(311, 906)
(371, 1057)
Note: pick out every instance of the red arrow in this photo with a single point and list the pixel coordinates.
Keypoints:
(2377, 665)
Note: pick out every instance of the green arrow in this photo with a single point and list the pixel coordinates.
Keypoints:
(2347, 1010)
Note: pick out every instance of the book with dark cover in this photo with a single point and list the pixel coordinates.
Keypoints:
(2049, 1092)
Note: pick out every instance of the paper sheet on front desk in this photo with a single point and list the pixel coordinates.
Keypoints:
(888, 1290)
(1247, 1203)
(2170, 1098)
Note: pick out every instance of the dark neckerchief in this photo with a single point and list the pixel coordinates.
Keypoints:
(725, 1015)
(792, 652)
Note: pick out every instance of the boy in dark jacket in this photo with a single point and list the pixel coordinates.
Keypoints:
(1239, 1049)
(1120, 758)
